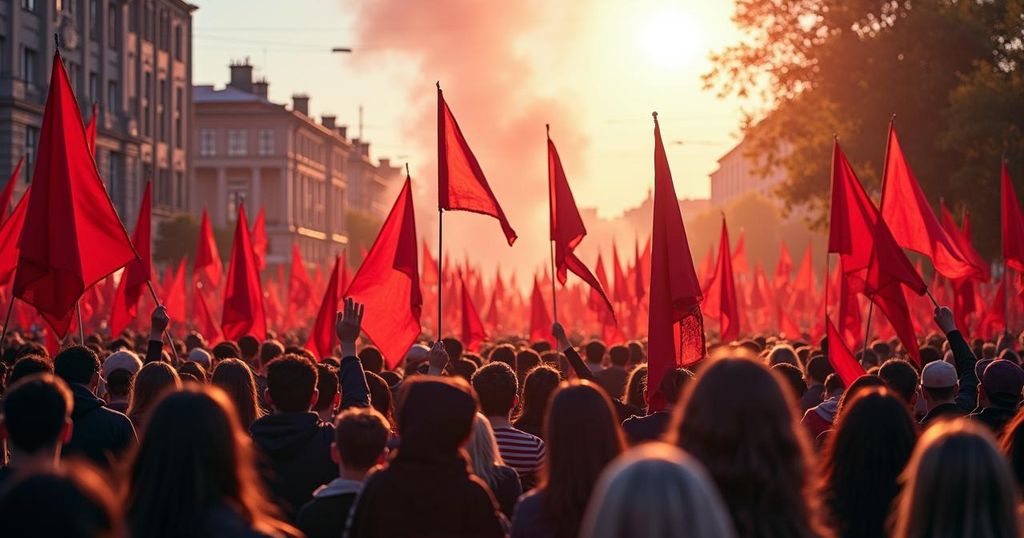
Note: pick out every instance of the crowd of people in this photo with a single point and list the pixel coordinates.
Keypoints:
(126, 438)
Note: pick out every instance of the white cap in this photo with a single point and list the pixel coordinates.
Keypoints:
(124, 359)
(201, 356)
(938, 375)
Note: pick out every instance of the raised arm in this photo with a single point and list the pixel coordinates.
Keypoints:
(963, 358)
(158, 322)
(574, 358)
(354, 390)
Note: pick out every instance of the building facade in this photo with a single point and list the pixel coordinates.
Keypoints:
(133, 60)
(305, 174)
(736, 176)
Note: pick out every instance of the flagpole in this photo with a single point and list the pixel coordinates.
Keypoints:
(81, 325)
(551, 209)
(440, 267)
(170, 341)
(554, 300)
(7, 323)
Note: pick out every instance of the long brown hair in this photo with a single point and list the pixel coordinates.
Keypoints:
(738, 420)
(235, 378)
(583, 436)
(153, 381)
(194, 459)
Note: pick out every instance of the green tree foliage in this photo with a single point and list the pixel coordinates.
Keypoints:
(949, 70)
(362, 230)
(177, 236)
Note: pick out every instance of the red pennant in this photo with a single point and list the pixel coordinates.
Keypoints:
(739, 255)
(137, 273)
(243, 294)
(8, 193)
(300, 287)
(174, 294)
(10, 233)
(204, 322)
(540, 321)
(259, 239)
(473, 332)
(962, 238)
(207, 266)
(429, 275)
(843, 361)
(323, 336)
(720, 300)
(784, 268)
(1013, 224)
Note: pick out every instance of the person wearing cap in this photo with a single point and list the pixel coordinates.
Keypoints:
(939, 386)
(1000, 394)
(964, 361)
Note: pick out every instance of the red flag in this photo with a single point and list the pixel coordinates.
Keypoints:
(137, 273)
(621, 292)
(300, 287)
(910, 218)
(1013, 224)
(243, 294)
(843, 361)
(10, 232)
(784, 268)
(323, 336)
(259, 239)
(388, 283)
(739, 255)
(720, 300)
(429, 275)
(70, 217)
(850, 321)
(473, 332)
(707, 267)
(759, 289)
(90, 129)
(8, 193)
(174, 296)
(962, 237)
(204, 320)
(805, 283)
(461, 182)
(207, 267)
(675, 326)
(540, 321)
(638, 271)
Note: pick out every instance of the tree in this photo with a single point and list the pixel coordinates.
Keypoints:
(176, 238)
(362, 231)
(948, 69)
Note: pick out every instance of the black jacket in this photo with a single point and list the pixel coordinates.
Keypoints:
(648, 428)
(946, 410)
(326, 514)
(506, 488)
(296, 456)
(98, 433)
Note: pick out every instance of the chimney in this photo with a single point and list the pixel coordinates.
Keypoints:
(384, 163)
(364, 149)
(343, 131)
(328, 121)
(300, 103)
(241, 76)
(261, 88)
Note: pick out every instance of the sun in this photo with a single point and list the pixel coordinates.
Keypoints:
(671, 38)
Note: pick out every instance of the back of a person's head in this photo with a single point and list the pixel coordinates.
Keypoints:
(119, 383)
(360, 437)
(526, 360)
(901, 377)
(76, 364)
(594, 351)
(656, 490)
(883, 349)
(226, 350)
(194, 369)
(372, 359)
(29, 365)
(783, 354)
(249, 346)
(496, 387)
(235, 378)
(989, 351)
(270, 350)
(435, 417)
(463, 368)
(870, 445)
(929, 354)
(674, 383)
(194, 340)
(1012, 446)
(505, 353)
(153, 381)
(291, 382)
(327, 387)
(483, 450)
(539, 385)
(618, 355)
(793, 376)
(957, 484)
(454, 347)
(818, 368)
(834, 385)
(37, 412)
(381, 398)
(636, 387)
(636, 352)
(70, 501)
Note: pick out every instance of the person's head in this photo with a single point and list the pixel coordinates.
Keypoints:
(783, 354)
(869, 447)
(360, 439)
(291, 384)
(463, 368)
(526, 360)
(636, 353)
(674, 491)
(794, 378)
(119, 385)
(435, 418)
(882, 349)
(226, 350)
(540, 383)
(454, 348)
(201, 357)
(1001, 384)
(618, 356)
(929, 355)
(122, 359)
(674, 383)
(328, 388)
(636, 387)
(195, 370)
(29, 365)
(153, 381)
(1010, 355)
(738, 420)
(818, 369)
(250, 348)
(194, 455)
(957, 484)
(194, 340)
(37, 414)
(496, 387)
(77, 365)
(381, 398)
(582, 436)
(862, 383)
(270, 350)
(901, 377)
(505, 353)
(483, 450)
(236, 380)
(939, 383)
(72, 500)
(594, 351)
(372, 359)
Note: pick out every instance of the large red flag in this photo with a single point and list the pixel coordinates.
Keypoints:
(8, 193)
(243, 294)
(910, 218)
(259, 239)
(784, 269)
(675, 327)
(621, 293)
(739, 255)
(207, 267)
(540, 321)
(461, 183)
(90, 129)
(429, 274)
(10, 232)
(323, 336)
(843, 361)
(473, 332)
(1013, 224)
(137, 273)
(204, 322)
(388, 282)
(720, 300)
(300, 287)
(174, 299)
(638, 271)
(70, 217)
(962, 237)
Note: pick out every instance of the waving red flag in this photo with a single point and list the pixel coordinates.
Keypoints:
(8, 193)
(243, 294)
(540, 320)
(910, 217)
(323, 336)
(739, 255)
(70, 217)
(784, 269)
(675, 327)
(1013, 224)
(300, 287)
(429, 275)
(759, 289)
(962, 237)
(843, 361)
(461, 183)
(707, 267)
(638, 271)
(10, 232)
(207, 267)
(204, 322)
(720, 299)
(850, 321)
(388, 282)
(90, 129)
(621, 292)
(137, 273)
(259, 239)
(174, 299)
(805, 283)
(473, 332)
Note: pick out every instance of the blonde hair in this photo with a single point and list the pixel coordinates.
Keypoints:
(656, 490)
(483, 450)
(957, 484)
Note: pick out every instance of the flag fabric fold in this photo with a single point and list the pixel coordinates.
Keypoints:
(137, 273)
(207, 267)
(720, 299)
(243, 313)
(473, 332)
(323, 336)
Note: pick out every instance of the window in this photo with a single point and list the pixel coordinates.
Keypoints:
(177, 43)
(236, 197)
(94, 19)
(113, 99)
(3, 55)
(133, 17)
(114, 180)
(179, 106)
(31, 139)
(238, 142)
(207, 142)
(28, 5)
(74, 72)
(94, 87)
(147, 95)
(161, 110)
(28, 65)
(113, 28)
(266, 142)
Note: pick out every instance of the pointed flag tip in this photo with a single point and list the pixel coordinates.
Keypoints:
(438, 84)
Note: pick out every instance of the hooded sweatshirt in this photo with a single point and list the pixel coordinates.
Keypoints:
(296, 456)
(98, 433)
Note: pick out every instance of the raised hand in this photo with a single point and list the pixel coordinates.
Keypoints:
(349, 322)
(437, 359)
(158, 323)
(559, 333)
(945, 320)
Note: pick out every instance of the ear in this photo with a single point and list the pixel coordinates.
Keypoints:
(267, 398)
(383, 458)
(95, 381)
(335, 456)
(316, 396)
(69, 428)
(515, 401)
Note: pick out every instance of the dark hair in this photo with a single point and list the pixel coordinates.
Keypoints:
(195, 457)
(636, 352)
(360, 435)
(76, 364)
(752, 446)
(863, 383)
(235, 378)
(195, 369)
(818, 368)
(783, 354)
(673, 383)
(327, 386)
(870, 445)
(454, 348)
(226, 350)
(834, 384)
(496, 387)
(929, 354)
(85, 506)
(882, 349)
(36, 410)
(28, 365)
(618, 355)
(391, 378)
(249, 346)
(153, 381)
(794, 378)
(270, 350)
(291, 381)
(503, 353)
(594, 351)
(119, 383)
(526, 360)
(940, 393)
(463, 368)
(539, 385)
(636, 387)
(380, 396)
(372, 359)
(1012, 446)
(901, 377)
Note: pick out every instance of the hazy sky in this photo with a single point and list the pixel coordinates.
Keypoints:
(594, 69)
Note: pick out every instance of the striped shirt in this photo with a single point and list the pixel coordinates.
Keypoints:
(520, 451)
